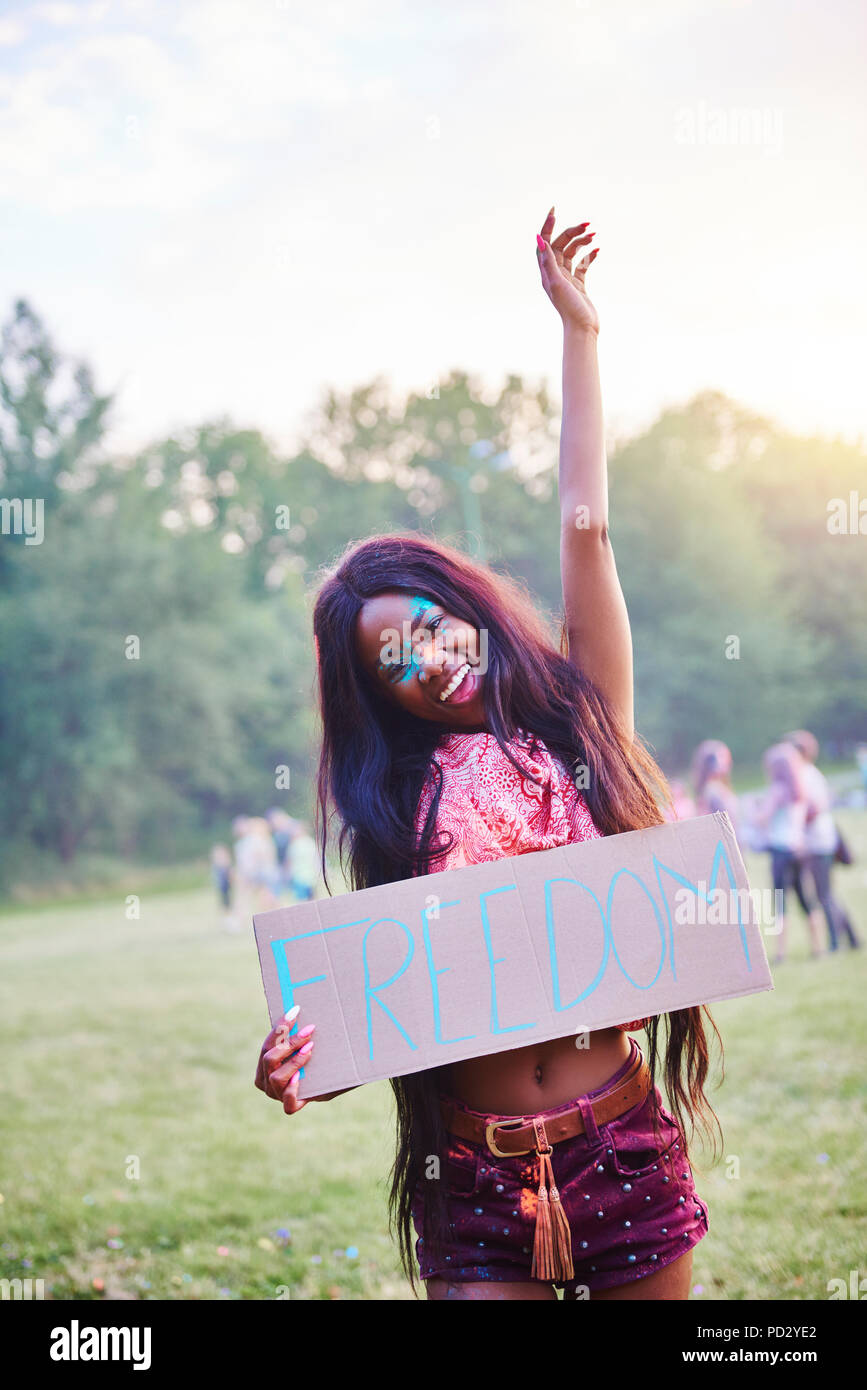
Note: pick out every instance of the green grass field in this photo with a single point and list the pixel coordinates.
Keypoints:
(129, 1048)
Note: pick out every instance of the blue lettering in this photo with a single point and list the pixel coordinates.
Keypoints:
(719, 857)
(373, 991)
(552, 945)
(640, 881)
(435, 990)
(287, 985)
(486, 926)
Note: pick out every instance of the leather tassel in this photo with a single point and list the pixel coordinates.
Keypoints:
(552, 1245)
(543, 1248)
(561, 1233)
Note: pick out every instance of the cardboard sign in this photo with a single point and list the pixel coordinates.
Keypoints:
(494, 956)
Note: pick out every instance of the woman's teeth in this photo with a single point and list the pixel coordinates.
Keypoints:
(455, 681)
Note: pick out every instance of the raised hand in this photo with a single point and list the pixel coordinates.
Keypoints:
(564, 285)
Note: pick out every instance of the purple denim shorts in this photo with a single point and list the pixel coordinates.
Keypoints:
(628, 1196)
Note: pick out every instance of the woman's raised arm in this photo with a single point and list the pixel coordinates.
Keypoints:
(597, 623)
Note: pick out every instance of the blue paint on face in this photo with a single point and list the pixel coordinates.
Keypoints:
(420, 605)
(398, 672)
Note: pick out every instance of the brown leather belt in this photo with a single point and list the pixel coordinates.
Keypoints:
(518, 1133)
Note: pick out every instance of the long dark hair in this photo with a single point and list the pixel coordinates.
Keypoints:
(376, 756)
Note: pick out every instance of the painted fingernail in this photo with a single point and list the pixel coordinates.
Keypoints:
(540, 242)
(303, 1032)
(302, 1051)
(295, 1080)
(293, 1013)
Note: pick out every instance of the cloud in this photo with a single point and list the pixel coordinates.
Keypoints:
(12, 31)
(65, 15)
(124, 118)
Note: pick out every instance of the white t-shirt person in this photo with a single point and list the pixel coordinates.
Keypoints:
(820, 832)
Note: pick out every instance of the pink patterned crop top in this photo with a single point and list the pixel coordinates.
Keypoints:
(492, 811)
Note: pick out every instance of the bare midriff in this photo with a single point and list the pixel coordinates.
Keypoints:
(540, 1077)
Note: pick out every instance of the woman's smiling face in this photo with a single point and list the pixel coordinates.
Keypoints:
(417, 652)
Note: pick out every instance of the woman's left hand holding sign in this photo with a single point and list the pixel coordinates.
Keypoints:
(281, 1060)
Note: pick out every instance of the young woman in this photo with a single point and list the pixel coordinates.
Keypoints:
(441, 756)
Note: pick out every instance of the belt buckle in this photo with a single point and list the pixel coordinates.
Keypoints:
(504, 1124)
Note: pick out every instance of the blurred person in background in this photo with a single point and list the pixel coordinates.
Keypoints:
(682, 805)
(752, 835)
(303, 862)
(821, 838)
(861, 762)
(221, 873)
(256, 872)
(282, 830)
(711, 780)
(783, 815)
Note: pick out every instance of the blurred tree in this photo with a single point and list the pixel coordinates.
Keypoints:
(793, 488)
(51, 418)
(96, 748)
(148, 696)
(718, 652)
(449, 454)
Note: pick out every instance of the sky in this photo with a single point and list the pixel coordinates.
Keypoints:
(227, 206)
